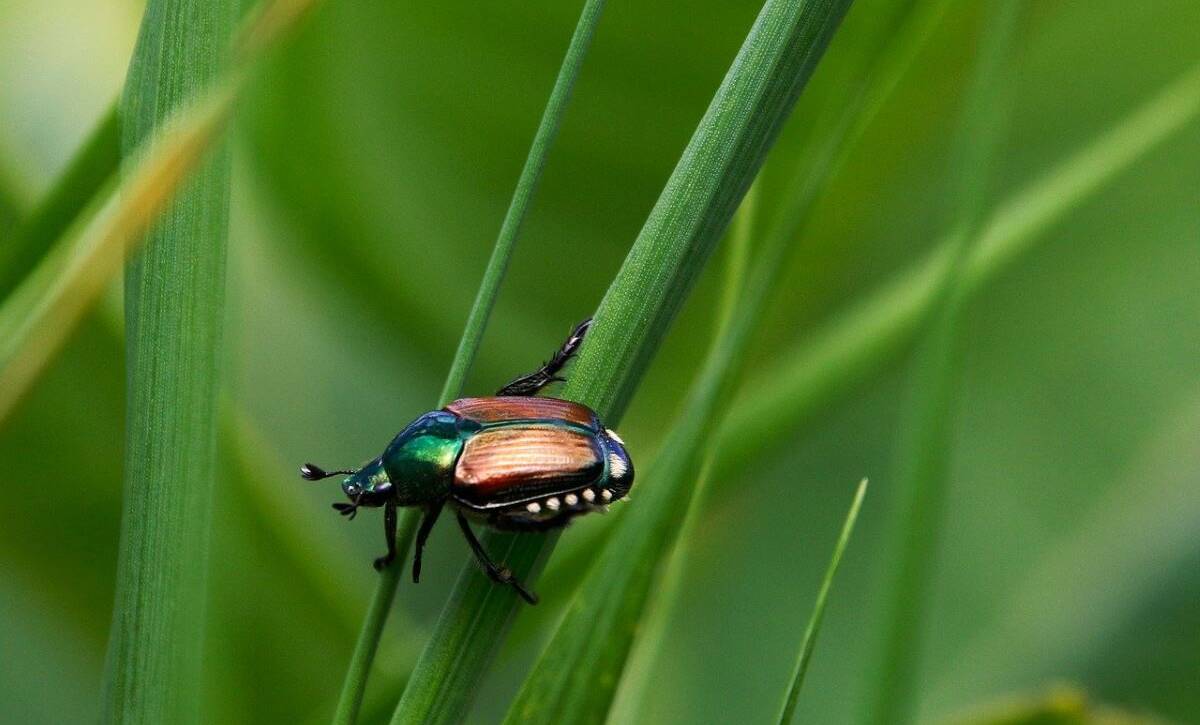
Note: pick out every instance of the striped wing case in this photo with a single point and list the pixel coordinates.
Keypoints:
(507, 465)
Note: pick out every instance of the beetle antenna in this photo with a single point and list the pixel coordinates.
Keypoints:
(311, 472)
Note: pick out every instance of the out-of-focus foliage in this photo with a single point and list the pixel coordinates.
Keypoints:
(373, 163)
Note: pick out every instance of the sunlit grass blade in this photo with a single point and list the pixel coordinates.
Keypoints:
(858, 343)
(37, 318)
(174, 305)
(354, 685)
(40, 314)
(707, 185)
(923, 478)
(92, 166)
(813, 628)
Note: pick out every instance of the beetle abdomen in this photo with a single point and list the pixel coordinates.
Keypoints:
(501, 466)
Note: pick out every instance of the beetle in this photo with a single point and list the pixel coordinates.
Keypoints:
(515, 462)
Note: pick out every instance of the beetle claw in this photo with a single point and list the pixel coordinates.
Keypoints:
(346, 509)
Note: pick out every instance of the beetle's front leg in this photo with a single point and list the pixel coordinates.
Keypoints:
(389, 530)
(497, 574)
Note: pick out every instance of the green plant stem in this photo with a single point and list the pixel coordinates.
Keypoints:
(701, 195)
(350, 700)
(174, 306)
(809, 643)
(923, 478)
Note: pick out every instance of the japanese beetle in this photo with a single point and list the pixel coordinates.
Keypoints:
(514, 462)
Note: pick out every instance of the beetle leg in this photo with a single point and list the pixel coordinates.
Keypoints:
(427, 522)
(389, 530)
(497, 574)
(548, 373)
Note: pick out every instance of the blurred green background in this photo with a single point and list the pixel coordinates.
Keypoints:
(373, 163)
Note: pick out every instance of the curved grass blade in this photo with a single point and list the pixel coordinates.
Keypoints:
(707, 185)
(923, 477)
(354, 685)
(814, 622)
(174, 303)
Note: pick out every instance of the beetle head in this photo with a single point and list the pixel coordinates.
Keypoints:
(368, 486)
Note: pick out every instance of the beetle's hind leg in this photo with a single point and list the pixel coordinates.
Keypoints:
(548, 373)
(427, 521)
(498, 574)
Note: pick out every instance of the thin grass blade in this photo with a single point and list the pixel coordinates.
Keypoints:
(813, 628)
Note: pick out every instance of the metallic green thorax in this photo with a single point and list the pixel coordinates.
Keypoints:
(420, 460)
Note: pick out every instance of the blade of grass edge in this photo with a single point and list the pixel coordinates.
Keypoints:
(696, 204)
(813, 628)
(174, 303)
(923, 475)
(354, 685)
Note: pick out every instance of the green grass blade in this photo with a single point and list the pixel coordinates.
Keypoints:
(706, 187)
(92, 166)
(354, 685)
(923, 477)
(814, 622)
(174, 305)
(859, 343)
